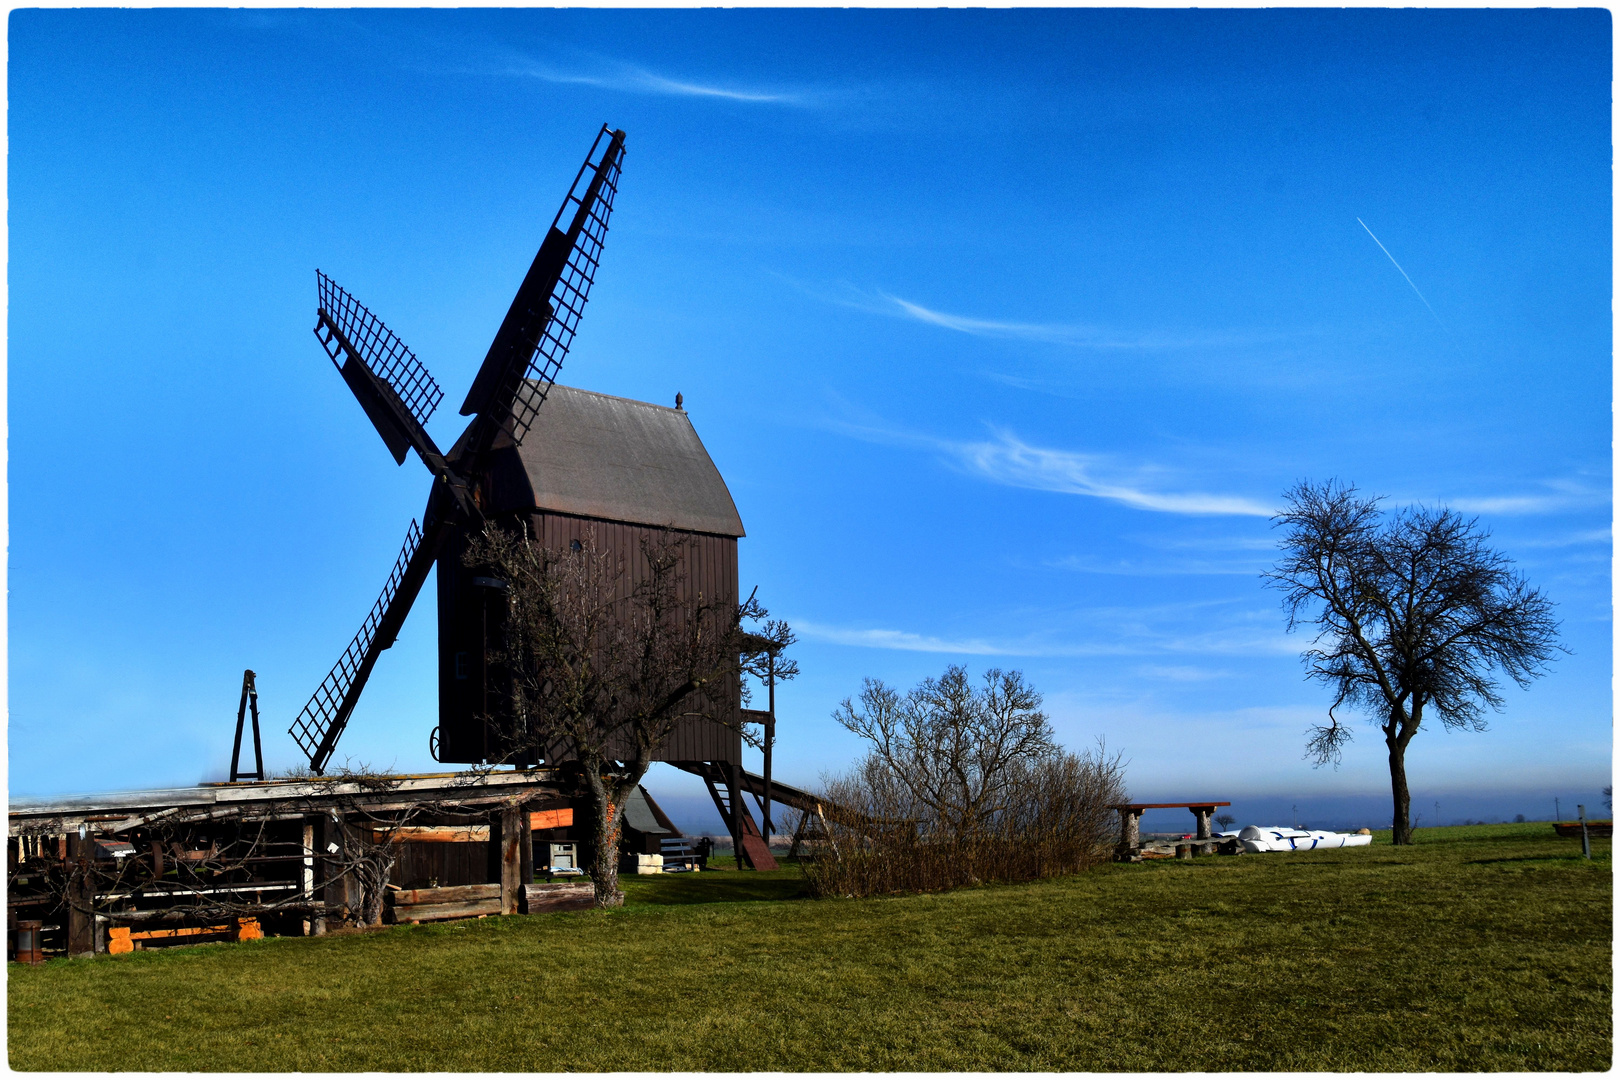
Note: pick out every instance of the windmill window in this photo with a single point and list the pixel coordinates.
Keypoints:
(575, 545)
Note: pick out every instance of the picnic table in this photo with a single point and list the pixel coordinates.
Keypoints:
(1130, 821)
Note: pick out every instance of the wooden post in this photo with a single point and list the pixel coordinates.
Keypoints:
(318, 841)
(1202, 814)
(342, 890)
(81, 896)
(306, 875)
(1130, 828)
(770, 742)
(513, 825)
(734, 782)
(525, 853)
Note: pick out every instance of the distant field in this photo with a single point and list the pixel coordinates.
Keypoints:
(1480, 948)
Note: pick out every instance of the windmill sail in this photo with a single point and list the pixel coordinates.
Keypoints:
(317, 728)
(391, 384)
(539, 328)
(371, 342)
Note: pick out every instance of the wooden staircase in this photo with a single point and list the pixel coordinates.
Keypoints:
(752, 849)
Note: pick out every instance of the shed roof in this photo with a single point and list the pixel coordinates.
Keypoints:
(608, 457)
(639, 815)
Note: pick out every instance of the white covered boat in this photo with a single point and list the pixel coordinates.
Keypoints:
(1258, 838)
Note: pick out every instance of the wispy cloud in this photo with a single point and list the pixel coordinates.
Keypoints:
(1129, 641)
(1158, 556)
(907, 641)
(1162, 567)
(1076, 335)
(1181, 673)
(628, 78)
(1515, 504)
(1159, 630)
(1060, 333)
(1506, 504)
(1007, 459)
(1556, 496)
(1575, 539)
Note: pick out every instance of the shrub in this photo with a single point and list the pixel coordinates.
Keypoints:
(962, 785)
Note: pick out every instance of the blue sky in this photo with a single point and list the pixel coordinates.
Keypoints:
(1007, 330)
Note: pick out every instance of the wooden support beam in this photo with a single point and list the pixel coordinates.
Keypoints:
(734, 782)
(306, 872)
(525, 854)
(342, 890)
(1202, 814)
(514, 824)
(81, 897)
(1130, 828)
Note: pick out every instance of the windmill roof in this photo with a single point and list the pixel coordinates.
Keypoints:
(608, 457)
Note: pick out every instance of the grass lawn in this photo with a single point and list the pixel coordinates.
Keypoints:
(1480, 948)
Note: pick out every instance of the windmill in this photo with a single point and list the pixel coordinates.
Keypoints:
(399, 397)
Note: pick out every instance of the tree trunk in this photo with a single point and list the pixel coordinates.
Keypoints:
(606, 823)
(1402, 825)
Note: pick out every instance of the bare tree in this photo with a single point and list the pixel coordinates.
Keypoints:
(955, 749)
(963, 784)
(604, 665)
(1414, 614)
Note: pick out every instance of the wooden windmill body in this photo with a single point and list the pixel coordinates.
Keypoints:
(584, 465)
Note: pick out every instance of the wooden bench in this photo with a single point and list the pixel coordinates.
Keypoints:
(124, 939)
(1130, 823)
(559, 896)
(449, 902)
(474, 901)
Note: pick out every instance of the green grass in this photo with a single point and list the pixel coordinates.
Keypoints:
(1482, 948)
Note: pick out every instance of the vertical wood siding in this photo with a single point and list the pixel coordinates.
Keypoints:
(711, 571)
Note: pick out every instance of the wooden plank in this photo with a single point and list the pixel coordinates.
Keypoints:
(551, 819)
(450, 894)
(579, 903)
(404, 913)
(178, 932)
(560, 888)
(434, 834)
(758, 855)
(559, 896)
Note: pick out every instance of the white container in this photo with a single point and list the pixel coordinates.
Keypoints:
(1257, 839)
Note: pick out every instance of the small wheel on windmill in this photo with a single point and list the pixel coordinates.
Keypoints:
(433, 742)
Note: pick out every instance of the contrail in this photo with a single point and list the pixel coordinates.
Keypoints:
(1404, 274)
